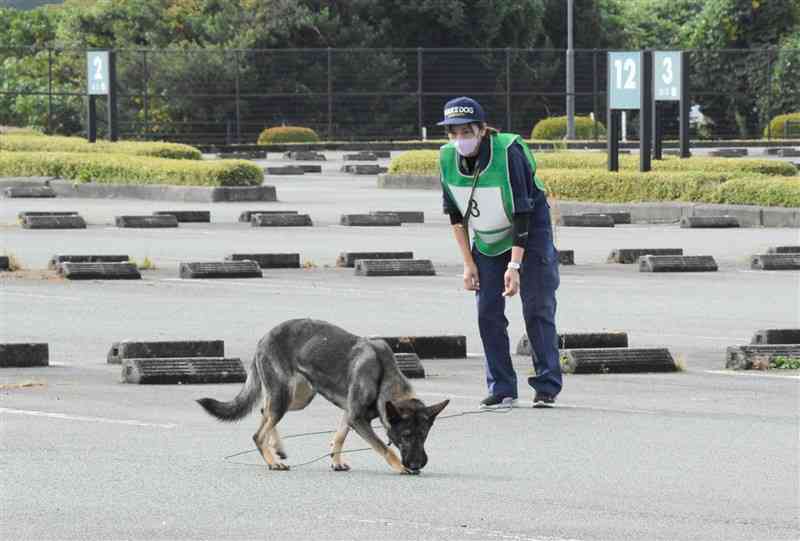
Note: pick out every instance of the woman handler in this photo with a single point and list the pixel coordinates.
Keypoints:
(489, 183)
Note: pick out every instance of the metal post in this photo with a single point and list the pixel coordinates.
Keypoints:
(646, 112)
(570, 75)
(330, 95)
(238, 112)
(594, 91)
(113, 127)
(508, 89)
(684, 106)
(49, 90)
(612, 140)
(769, 93)
(91, 128)
(657, 128)
(144, 96)
(419, 90)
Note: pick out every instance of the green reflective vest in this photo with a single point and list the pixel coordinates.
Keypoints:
(493, 202)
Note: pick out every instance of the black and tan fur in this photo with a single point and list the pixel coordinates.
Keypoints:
(302, 357)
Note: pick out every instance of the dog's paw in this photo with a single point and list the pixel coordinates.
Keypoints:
(279, 466)
(340, 467)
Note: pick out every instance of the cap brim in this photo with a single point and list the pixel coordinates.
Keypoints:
(452, 121)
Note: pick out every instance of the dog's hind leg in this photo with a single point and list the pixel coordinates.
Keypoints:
(337, 462)
(274, 411)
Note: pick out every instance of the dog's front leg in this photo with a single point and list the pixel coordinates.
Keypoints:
(337, 462)
(364, 430)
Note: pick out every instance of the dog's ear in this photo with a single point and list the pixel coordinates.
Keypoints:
(391, 412)
(436, 409)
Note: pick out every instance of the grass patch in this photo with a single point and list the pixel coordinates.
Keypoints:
(26, 142)
(127, 169)
(146, 264)
(785, 362)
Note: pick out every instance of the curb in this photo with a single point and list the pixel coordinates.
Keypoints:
(652, 213)
(156, 192)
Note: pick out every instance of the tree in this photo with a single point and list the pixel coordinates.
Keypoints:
(741, 76)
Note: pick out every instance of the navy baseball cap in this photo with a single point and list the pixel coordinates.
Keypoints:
(462, 110)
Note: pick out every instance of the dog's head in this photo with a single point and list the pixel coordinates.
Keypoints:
(409, 423)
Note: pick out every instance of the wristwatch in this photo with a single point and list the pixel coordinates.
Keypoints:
(514, 265)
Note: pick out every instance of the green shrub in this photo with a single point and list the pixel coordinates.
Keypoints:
(415, 162)
(287, 134)
(16, 142)
(776, 127)
(553, 128)
(127, 169)
(767, 191)
(426, 162)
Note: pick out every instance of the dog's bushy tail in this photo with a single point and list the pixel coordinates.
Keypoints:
(239, 406)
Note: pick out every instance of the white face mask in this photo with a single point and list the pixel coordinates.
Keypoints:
(467, 147)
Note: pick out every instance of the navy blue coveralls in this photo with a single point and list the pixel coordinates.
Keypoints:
(539, 279)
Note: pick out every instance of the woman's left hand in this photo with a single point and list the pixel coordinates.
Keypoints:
(511, 280)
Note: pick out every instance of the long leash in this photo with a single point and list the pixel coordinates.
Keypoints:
(471, 200)
(359, 450)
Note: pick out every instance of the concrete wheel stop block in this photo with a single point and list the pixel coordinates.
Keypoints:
(247, 215)
(281, 220)
(410, 365)
(783, 250)
(87, 258)
(775, 262)
(129, 349)
(304, 155)
(709, 222)
(405, 216)
(370, 220)
(776, 336)
(394, 267)
(586, 220)
(632, 255)
(428, 347)
(758, 357)
(566, 257)
(187, 216)
(23, 355)
(284, 170)
(683, 263)
(176, 370)
(220, 269)
(29, 192)
(146, 222)
(99, 271)
(617, 360)
(348, 259)
(619, 218)
(26, 213)
(68, 221)
(580, 340)
(269, 261)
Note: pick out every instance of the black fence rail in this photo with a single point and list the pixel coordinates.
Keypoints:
(213, 96)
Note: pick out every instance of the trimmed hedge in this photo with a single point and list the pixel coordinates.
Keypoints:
(287, 134)
(426, 162)
(704, 187)
(776, 126)
(16, 142)
(554, 128)
(126, 169)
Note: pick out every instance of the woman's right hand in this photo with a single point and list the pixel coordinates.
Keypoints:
(471, 281)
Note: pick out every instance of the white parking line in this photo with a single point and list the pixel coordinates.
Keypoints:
(524, 404)
(66, 417)
(750, 373)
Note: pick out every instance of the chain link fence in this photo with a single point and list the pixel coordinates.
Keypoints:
(217, 96)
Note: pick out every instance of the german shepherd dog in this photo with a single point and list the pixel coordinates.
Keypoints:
(302, 357)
